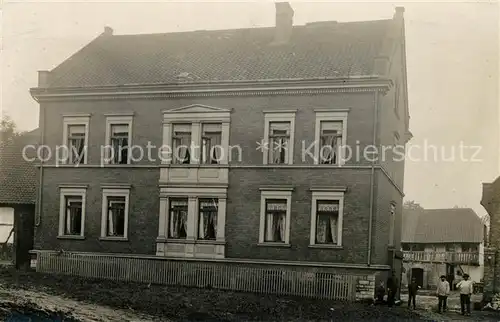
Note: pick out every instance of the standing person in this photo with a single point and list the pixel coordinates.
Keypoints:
(465, 287)
(392, 289)
(443, 290)
(412, 292)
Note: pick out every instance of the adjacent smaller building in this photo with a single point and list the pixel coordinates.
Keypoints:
(18, 191)
(439, 242)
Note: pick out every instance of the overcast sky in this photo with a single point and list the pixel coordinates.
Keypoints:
(452, 58)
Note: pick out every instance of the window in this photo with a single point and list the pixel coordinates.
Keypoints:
(211, 143)
(76, 144)
(181, 143)
(115, 212)
(76, 138)
(177, 227)
(205, 128)
(330, 141)
(330, 136)
(73, 215)
(418, 247)
(119, 139)
(279, 137)
(72, 212)
(392, 219)
(470, 248)
(326, 217)
(207, 219)
(119, 143)
(275, 217)
(275, 224)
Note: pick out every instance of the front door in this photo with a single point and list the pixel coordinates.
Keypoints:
(418, 275)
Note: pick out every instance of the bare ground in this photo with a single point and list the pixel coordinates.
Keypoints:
(79, 299)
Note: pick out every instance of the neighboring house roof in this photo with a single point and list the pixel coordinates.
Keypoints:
(316, 50)
(454, 225)
(18, 177)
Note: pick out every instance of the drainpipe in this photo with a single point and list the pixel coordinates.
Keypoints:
(38, 218)
(43, 81)
(372, 178)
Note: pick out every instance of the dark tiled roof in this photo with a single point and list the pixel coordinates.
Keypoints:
(18, 177)
(315, 51)
(455, 225)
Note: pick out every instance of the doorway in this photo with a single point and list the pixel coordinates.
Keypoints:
(418, 275)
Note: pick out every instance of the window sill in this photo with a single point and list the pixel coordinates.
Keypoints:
(269, 244)
(113, 238)
(71, 237)
(195, 165)
(326, 246)
(190, 241)
(210, 242)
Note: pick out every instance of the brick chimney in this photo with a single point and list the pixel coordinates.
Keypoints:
(284, 22)
(108, 31)
(43, 78)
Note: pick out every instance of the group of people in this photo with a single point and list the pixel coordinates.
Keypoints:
(465, 288)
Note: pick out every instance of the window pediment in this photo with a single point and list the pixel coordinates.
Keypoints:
(197, 108)
(197, 113)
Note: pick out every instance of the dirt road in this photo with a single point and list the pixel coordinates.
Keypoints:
(79, 311)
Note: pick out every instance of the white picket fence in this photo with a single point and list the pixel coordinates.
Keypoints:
(270, 279)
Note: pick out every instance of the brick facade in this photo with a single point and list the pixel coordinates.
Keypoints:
(242, 224)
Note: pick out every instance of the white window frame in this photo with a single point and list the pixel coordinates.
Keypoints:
(278, 116)
(113, 119)
(196, 115)
(392, 223)
(275, 194)
(330, 116)
(193, 194)
(114, 192)
(75, 119)
(330, 196)
(63, 193)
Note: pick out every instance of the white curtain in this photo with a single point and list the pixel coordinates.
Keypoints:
(333, 229)
(178, 222)
(73, 216)
(111, 222)
(281, 227)
(269, 227)
(320, 231)
(215, 148)
(184, 215)
(173, 224)
(202, 226)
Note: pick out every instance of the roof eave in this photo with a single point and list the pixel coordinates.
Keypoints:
(370, 82)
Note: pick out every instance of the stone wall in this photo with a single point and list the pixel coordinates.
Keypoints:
(365, 288)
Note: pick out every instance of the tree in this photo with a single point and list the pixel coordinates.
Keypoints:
(8, 130)
(411, 204)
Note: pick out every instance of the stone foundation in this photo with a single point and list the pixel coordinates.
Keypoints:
(365, 288)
